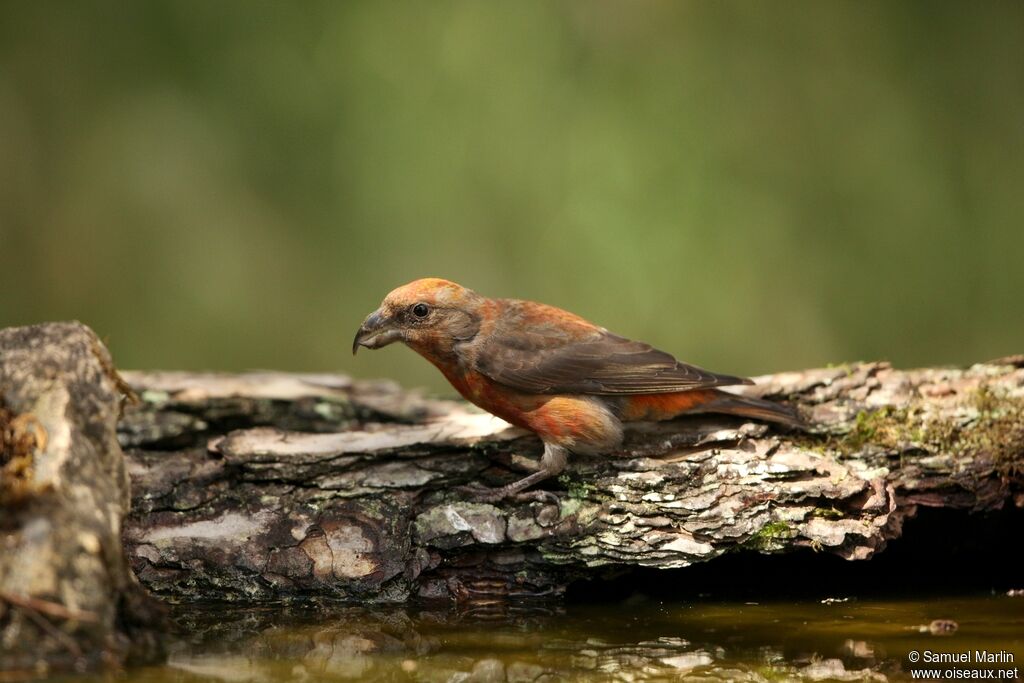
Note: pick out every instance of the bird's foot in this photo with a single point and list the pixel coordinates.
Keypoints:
(538, 496)
(514, 490)
(483, 494)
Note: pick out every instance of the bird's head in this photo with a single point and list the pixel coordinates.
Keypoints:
(430, 315)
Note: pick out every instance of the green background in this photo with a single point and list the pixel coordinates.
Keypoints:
(752, 186)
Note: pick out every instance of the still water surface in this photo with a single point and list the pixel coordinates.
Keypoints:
(638, 639)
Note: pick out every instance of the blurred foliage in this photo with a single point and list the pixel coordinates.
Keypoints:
(752, 186)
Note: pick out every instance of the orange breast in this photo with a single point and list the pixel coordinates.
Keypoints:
(581, 423)
(511, 406)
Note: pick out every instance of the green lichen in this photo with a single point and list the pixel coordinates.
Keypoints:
(570, 507)
(996, 432)
(993, 428)
(771, 672)
(827, 513)
(888, 428)
(155, 396)
(986, 401)
(847, 367)
(576, 489)
(581, 490)
(770, 537)
(330, 410)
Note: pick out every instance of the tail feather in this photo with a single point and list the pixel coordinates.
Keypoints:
(667, 406)
(756, 408)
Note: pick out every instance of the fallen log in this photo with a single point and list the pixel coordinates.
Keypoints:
(67, 597)
(273, 486)
(288, 487)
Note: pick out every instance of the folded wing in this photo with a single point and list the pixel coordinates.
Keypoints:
(543, 350)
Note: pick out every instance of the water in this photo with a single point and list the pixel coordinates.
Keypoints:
(638, 639)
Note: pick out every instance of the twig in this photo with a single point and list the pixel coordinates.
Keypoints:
(67, 641)
(50, 609)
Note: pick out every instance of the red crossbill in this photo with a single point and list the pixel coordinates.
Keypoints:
(544, 369)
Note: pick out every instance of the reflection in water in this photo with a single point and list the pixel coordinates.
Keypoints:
(631, 641)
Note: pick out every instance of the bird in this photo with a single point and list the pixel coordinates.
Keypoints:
(572, 383)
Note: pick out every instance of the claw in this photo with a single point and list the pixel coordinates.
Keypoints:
(538, 497)
(483, 494)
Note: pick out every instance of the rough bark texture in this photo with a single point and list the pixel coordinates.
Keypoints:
(67, 596)
(274, 486)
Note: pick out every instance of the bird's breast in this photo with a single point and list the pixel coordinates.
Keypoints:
(484, 392)
(579, 423)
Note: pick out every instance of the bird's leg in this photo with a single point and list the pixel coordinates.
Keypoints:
(551, 464)
(516, 462)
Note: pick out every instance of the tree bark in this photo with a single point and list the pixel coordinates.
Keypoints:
(271, 486)
(67, 597)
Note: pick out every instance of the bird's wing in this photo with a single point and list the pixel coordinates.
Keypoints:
(544, 350)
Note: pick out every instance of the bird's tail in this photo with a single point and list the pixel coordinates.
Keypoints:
(748, 406)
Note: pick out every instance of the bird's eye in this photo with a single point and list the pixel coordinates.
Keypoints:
(420, 310)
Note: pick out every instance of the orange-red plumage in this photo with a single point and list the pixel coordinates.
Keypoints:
(656, 407)
(544, 369)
